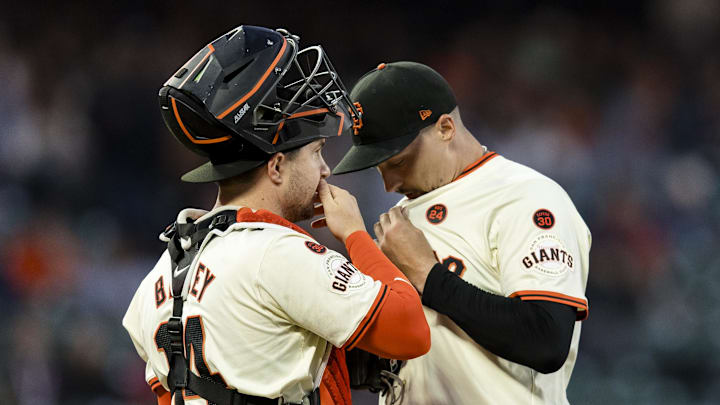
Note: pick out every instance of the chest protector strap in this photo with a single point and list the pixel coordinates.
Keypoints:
(184, 241)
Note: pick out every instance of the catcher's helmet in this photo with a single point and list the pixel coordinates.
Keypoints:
(251, 93)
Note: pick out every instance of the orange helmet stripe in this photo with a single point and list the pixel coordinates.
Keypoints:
(185, 131)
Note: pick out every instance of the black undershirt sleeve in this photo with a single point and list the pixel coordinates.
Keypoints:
(536, 334)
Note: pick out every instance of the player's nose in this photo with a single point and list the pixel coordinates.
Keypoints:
(391, 187)
(325, 170)
(391, 184)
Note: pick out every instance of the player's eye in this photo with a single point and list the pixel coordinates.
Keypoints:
(397, 163)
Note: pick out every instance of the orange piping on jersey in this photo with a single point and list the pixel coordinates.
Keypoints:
(154, 383)
(536, 295)
(212, 49)
(185, 131)
(258, 84)
(474, 166)
(368, 319)
(400, 330)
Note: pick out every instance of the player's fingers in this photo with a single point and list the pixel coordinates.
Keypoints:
(319, 223)
(324, 192)
(378, 230)
(395, 214)
(318, 209)
(384, 219)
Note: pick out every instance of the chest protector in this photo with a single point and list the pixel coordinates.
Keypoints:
(184, 241)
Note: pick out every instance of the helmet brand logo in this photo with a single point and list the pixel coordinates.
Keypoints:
(241, 112)
(424, 114)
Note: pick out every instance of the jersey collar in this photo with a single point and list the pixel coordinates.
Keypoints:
(476, 164)
(244, 214)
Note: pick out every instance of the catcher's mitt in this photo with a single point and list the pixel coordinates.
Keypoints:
(376, 374)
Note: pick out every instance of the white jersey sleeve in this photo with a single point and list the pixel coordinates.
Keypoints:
(133, 324)
(324, 293)
(542, 246)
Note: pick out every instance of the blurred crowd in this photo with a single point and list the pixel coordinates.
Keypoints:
(619, 103)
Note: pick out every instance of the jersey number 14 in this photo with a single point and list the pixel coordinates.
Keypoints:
(195, 343)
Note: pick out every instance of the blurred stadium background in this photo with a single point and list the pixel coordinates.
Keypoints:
(619, 101)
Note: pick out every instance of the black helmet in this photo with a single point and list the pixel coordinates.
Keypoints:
(251, 93)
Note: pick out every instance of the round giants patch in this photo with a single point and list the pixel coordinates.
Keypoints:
(544, 219)
(316, 247)
(548, 256)
(436, 214)
(344, 277)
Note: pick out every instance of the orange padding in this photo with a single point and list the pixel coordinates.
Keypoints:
(335, 384)
(395, 327)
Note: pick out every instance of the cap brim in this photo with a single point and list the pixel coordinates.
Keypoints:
(361, 157)
(210, 172)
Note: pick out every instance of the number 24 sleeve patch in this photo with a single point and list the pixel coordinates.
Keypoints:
(436, 214)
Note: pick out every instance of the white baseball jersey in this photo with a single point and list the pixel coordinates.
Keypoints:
(510, 231)
(265, 303)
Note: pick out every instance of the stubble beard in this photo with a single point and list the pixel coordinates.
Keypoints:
(300, 204)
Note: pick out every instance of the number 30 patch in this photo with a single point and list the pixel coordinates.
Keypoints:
(544, 219)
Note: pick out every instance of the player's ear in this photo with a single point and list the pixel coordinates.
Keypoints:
(275, 168)
(445, 127)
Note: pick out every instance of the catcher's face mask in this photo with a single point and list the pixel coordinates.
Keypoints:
(250, 93)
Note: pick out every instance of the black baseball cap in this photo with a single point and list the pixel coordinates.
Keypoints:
(398, 100)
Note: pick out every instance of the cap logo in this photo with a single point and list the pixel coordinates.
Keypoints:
(357, 119)
(424, 114)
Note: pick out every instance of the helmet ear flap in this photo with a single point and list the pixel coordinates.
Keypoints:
(198, 130)
(190, 123)
(171, 121)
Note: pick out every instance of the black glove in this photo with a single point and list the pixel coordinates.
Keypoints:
(370, 372)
